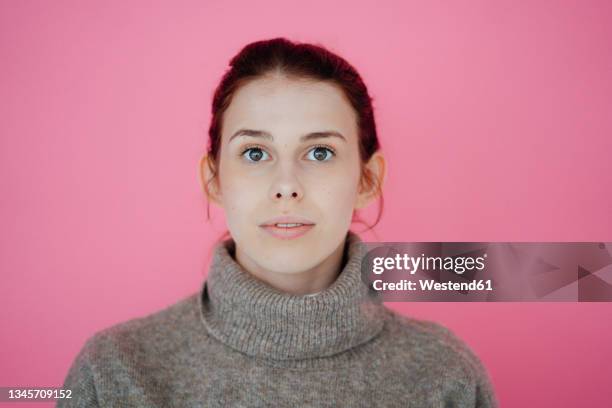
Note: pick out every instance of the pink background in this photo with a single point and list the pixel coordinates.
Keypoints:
(494, 116)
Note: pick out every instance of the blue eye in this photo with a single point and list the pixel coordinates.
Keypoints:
(254, 154)
(321, 153)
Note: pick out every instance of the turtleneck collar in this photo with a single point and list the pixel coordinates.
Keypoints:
(252, 317)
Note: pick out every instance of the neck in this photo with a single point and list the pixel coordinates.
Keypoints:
(305, 282)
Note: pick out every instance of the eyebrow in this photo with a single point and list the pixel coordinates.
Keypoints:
(266, 135)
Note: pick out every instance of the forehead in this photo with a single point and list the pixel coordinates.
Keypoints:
(290, 107)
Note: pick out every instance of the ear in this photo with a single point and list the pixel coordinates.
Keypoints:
(211, 188)
(376, 173)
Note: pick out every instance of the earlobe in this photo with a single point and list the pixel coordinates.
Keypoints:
(365, 196)
(371, 183)
(209, 187)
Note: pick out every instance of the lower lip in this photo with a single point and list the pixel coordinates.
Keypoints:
(287, 233)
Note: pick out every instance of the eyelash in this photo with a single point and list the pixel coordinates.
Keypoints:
(249, 147)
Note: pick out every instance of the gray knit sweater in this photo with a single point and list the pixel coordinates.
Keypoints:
(238, 342)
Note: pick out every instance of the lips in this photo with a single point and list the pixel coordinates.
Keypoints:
(287, 227)
(287, 222)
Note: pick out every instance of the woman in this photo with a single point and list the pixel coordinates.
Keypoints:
(283, 318)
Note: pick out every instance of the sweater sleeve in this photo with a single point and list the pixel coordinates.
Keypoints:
(485, 394)
(482, 386)
(80, 380)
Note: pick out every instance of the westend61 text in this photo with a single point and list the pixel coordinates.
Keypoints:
(430, 284)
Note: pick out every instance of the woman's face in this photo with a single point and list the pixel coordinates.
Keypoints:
(289, 148)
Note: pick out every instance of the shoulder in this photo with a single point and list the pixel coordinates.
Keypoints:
(431, 355)
(153, 334)
(433, 345)
(127, 353)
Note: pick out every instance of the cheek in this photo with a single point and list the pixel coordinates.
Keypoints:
(335, 195)
(239, 194)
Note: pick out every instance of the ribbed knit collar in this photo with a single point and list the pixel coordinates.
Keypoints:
(251, 316)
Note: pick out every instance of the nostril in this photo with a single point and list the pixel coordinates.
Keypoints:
(279, 195)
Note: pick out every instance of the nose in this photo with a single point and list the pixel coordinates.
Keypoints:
(286, 187)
